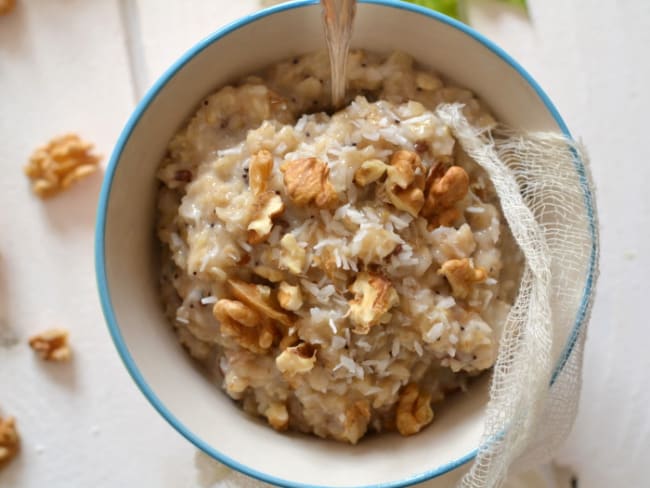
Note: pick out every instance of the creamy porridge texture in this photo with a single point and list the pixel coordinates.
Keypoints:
(338, 274)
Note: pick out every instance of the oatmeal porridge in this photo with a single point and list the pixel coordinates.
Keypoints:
(337, 274)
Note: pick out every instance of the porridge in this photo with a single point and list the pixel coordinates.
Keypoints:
(338, 274)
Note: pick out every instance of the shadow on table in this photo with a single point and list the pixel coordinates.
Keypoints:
(75, 209)
(14, 33)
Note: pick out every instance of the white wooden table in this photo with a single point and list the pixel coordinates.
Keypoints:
(79, 65)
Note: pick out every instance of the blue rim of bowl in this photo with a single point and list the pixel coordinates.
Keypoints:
(123, 139)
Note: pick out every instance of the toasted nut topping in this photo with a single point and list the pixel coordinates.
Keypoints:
(258, 297)
(289, 297)
(297, 359)
(251, 331)
(413, 410)
(277, 416)
(293, 256)
(405, 182)
(259, 171)
(444, 190)
(59, 164)
(6, 6)
(307, 182)
(51, 345)
(273, 275)
(369, 172)
(357, 417)
(9, 440)
(374, 296)
(267, 206)
(461, 275)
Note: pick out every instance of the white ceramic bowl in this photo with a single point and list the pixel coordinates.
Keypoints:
(126, 246)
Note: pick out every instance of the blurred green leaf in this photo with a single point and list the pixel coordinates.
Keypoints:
(450, 7)
(447, 7)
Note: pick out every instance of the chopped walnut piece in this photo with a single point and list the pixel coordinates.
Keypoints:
(57, 165)
(293, 256)
(355, 425)
(461, 275)
(268, 273)
(289, 296)
(374, 296)
(6, 6)
(444, 190)
(267, 206)
(51, 345)
(9, 440)
(405, 182)
(251, 331)
(369, 172)
(413, 410)
(297, 359)
(259, 171)
(277, 416)
(307, 182)
(258, 297)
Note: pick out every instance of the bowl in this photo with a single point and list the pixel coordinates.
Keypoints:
(126, 254)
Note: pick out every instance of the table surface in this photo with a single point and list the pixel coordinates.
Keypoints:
(79, 65)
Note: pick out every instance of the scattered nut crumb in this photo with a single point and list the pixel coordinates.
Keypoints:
(9, 440)
(413, 410)
(293, 256)
(7, 6)
(374, 296)
(268, 205)
(277, 416)
(289, 296)
(369, 172)
(405, 182)
(51, 345)
(259, 171)
(307, 182)
(461, 275)
(59, 164)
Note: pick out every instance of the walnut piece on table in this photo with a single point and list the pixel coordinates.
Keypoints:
(9, 440)
(7, 6)
(63, 161)
(413, 410)
(51, 345)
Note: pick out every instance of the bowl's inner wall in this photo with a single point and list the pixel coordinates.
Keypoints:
(132, 272)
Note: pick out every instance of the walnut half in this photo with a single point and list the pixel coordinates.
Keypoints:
(297, 359)
(51, 345)
(250, 330)
(9, 440)
(374, 296)
(307, 181)
(444, 190)
(267, 206)
(461, 275)
(413, 410)
(405, 182)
